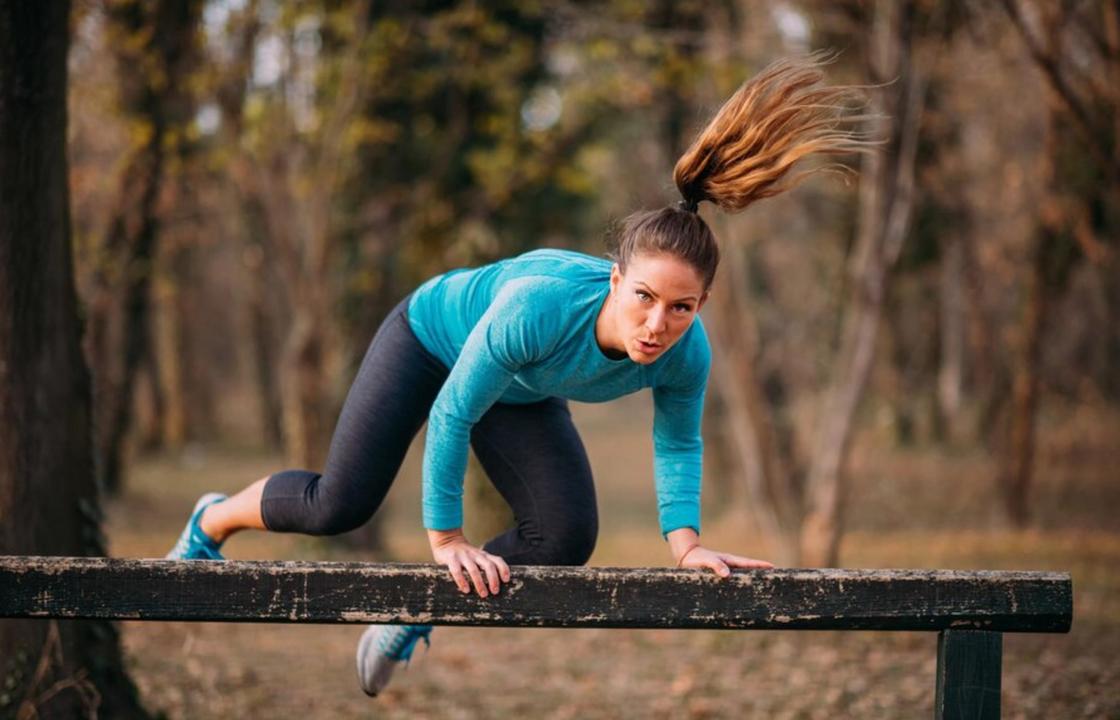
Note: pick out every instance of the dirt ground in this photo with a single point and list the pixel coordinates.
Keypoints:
(919, 507)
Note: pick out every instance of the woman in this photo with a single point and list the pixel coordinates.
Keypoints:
(490, 356)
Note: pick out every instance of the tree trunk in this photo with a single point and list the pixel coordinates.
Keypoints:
(157, 98)
(950, 373)
(886, 199)
(1018, 463)
(153, 413)
(199, 368)
(1082, 118)
(304, 378)
(264, 358)
(1048, 276)
(768, 472)
(167, 345)
(48, 497)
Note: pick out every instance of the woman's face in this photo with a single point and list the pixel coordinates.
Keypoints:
(652, 304)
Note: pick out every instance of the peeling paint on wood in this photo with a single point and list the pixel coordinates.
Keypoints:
(314, 592)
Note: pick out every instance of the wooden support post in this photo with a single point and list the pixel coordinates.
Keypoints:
(969, 663)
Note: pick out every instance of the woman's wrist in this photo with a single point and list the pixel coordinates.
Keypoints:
(681, 542)
(441, 538)
(681, 559)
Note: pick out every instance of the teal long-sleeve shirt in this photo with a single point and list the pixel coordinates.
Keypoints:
(522, 330)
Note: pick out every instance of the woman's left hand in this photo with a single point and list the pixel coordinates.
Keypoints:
(720, 563)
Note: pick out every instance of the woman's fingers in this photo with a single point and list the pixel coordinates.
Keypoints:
(503, 568)
(471, 564)
(493, 580)
(457, 575)
(745, 562)
(718, 566)
(720, 563)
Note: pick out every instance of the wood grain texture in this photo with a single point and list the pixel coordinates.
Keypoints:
(969, 665)
(321, 592)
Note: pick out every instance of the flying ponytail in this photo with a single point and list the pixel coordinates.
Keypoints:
(773, 120)
(745, 153)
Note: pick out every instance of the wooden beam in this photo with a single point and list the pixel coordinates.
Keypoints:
(969, 664)
(321, 592)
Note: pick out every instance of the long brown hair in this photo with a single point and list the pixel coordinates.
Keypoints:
(746, 152)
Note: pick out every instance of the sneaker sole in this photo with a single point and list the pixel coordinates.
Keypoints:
(369, 679)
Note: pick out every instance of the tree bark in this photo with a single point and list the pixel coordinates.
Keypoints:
(48, 497)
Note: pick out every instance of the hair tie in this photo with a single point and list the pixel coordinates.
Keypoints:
(692, 206)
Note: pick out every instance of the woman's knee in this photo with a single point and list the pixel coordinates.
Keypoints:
(294, 501)
(337, 515)
(569, 544)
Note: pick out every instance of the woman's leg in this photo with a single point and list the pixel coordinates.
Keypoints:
(535, 458)
(388, 402)
(238, 512)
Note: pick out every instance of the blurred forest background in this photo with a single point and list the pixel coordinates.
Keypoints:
(919, 366)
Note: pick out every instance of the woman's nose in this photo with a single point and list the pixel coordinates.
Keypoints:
(655, 320)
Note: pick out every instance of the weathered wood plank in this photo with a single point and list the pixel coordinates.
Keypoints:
(969, 664)
(537, 596)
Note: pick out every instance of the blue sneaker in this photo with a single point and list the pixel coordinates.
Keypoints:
(193, 543)
(382, 648)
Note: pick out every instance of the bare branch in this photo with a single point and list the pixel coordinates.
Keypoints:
(1047, 62)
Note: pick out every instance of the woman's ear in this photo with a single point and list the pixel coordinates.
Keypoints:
(616, 278)
(703, 299)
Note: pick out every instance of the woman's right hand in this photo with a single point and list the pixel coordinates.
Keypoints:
(486, 572)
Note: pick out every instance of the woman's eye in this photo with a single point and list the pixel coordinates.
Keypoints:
(643, 296)
(682, 308)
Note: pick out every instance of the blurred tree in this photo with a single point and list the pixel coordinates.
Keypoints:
(886, 196)
(798, 489)
(154, 46)
(231, 63)
(1076, 47)
(48, 497)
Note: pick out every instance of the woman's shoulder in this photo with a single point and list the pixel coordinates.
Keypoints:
(536, 290)
(553, 277)
(561, 264)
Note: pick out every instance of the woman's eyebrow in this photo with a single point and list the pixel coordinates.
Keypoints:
(686, 298)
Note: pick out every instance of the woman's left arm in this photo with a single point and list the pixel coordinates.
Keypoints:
(687, 551)
(678, 452)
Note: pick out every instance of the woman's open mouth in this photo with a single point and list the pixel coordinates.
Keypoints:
(648, 348)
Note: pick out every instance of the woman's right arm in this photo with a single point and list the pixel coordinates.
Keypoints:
(504, 340)
(476, 382)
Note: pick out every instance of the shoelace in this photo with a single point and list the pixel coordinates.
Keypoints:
(398, 641)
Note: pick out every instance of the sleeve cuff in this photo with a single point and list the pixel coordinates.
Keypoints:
(680, 515)
(443, 518)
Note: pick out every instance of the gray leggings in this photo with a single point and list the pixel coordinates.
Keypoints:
(532, 454)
